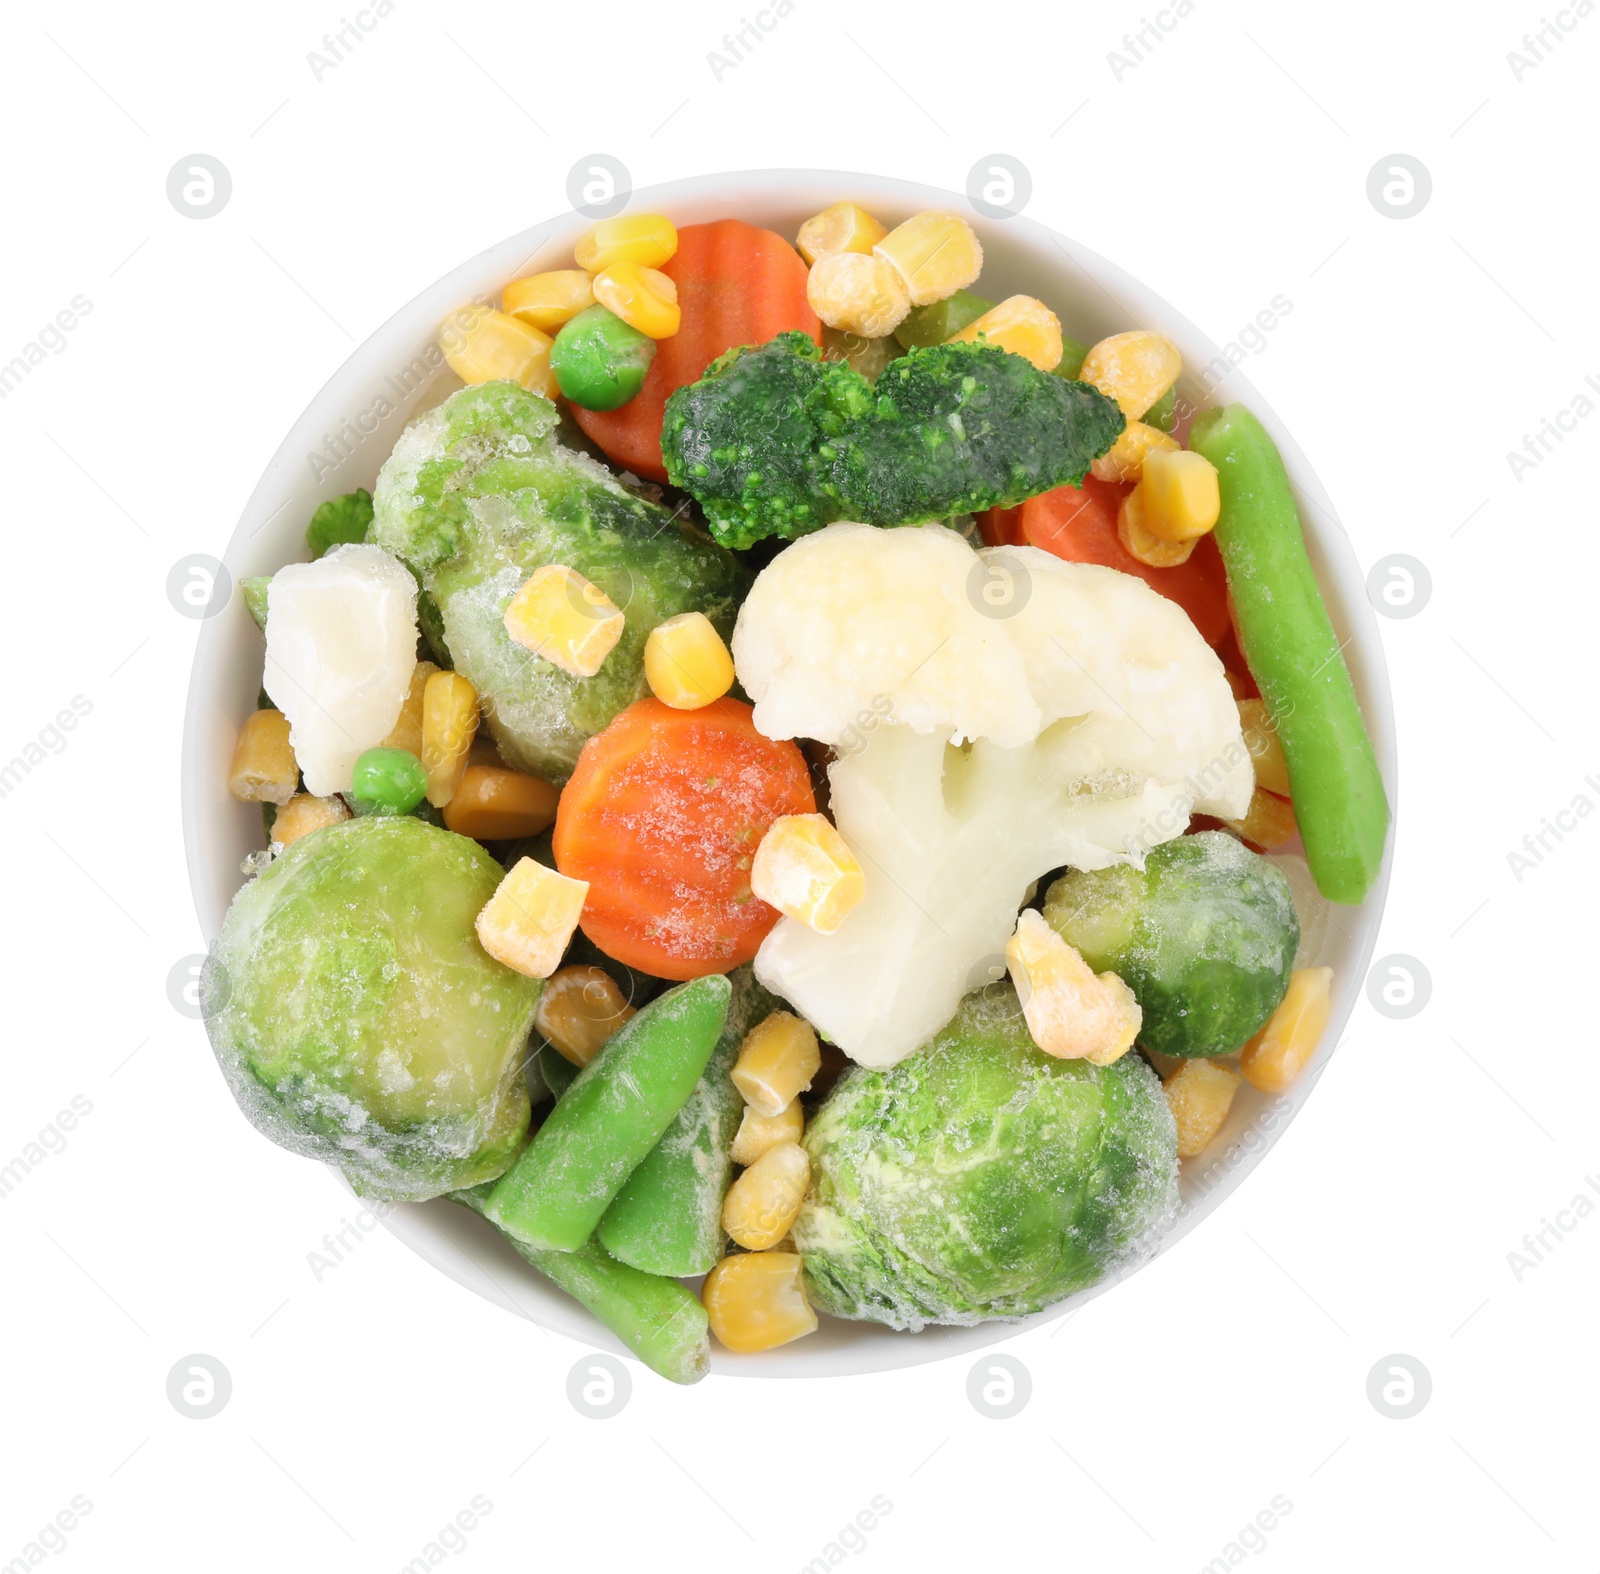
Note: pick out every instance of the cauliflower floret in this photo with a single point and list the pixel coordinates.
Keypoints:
(341, 649)
(1096, 718)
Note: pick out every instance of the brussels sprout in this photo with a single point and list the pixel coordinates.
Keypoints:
(477, 494)
(982, 1178)
(1204, 936)
(357, 1019)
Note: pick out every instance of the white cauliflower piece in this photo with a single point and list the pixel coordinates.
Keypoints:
(341, 649)
(1096, 722)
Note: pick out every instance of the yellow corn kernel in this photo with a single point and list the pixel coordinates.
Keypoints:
(1136, 537)
(548, 301)
(644, 298)
(936, 253)
(686, 662)
(305, 813)
(529, 920)
(1266, 752)
(1023, 325)
(756, 1301)
(1200, 1094)
(484, 346)
(1134, 368)
(645, 238)
(758, 1132)
(492, 804)
(1126, 458)
(762, 1204)
(843, 227)
(407, 731)
(449, 724)
(1071, 1013)
(579, 1009)
(1280, 1051)
(264, 768)
(858, 293)
(1267, 823)
(1181, 496)
(806, 870)
(777, 1061)
(560, 616)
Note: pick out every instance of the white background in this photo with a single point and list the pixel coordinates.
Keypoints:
(1228, 166)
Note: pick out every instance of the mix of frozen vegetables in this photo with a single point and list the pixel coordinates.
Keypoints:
(790, 780)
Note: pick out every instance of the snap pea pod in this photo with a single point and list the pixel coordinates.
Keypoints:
(658, 1319)
(1294, 655)
(612, 1116)
(668, 1216)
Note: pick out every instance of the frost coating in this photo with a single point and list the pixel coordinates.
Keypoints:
(983, 1179)
(341, 648)
(476, 496)
(1204, 935)
(1101, 721)
(358, 1021)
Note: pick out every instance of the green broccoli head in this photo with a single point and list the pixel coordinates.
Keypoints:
(478, 494)
(358, 1020)
(774, 441)
(982, 1178)
(1204, 935)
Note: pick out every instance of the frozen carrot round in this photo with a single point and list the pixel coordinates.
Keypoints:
(736, 285)
(662, 817)
(1080, 525)
(1294, 655)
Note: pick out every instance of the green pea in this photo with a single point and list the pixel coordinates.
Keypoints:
(599, 361)
(392, 781)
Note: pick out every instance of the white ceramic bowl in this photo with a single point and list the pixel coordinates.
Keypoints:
(353, 422)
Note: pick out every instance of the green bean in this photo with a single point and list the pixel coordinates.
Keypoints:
(558, 1072)
(658, 1319)
(254, 591)
(1072, 356)
(940, 321)
(1294, 655)
(668, 1216)
(610, 1118)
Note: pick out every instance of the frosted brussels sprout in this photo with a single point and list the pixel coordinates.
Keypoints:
(1204, 935)
(358, 1020)
(477, 495)
(981, 1178)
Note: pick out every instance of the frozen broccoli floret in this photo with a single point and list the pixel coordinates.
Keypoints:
(340, 521)
(476, 496)
(358, 1020)
(1204, 935)
(775, 441)
(982, 1178)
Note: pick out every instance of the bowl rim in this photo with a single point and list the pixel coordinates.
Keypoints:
(466, 1248)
